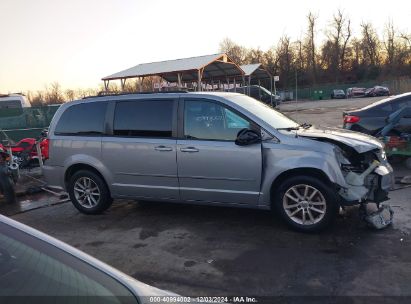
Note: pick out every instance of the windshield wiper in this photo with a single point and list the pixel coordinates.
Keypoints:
(290, 128)
(303, 125)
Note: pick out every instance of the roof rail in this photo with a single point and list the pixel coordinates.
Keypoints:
(105, 93)
(12, 94)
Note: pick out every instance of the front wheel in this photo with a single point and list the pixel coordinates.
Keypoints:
(88, 192)
(306, 203)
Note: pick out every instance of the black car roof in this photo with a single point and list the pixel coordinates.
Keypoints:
(385, 100)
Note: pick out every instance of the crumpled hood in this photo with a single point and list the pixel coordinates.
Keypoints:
(358, 141)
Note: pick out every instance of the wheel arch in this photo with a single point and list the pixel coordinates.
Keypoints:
(305, 171)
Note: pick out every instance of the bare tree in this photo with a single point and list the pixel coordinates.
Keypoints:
(370, 44)
(53, 94)
(285, 54)
(390, 45)
(70, 94)
(236, 52)
(271, 61)
(310, 47)
(334, 51)
(254, 56)
(346, 38)
(35, 99)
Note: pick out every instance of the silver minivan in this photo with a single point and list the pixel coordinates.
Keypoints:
(211, 148)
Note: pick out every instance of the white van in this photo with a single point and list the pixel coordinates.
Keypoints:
(13, 101)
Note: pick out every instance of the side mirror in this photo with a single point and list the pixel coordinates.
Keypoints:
(247, 137)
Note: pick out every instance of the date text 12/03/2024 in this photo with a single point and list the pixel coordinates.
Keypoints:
(183, 300)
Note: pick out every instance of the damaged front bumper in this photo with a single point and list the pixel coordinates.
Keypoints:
(372, 185)
(378, 219)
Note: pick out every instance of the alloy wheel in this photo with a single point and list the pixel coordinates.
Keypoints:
(86, 192)
(304, 204)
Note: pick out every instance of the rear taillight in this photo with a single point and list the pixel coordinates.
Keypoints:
(351, 119)
(44, 146)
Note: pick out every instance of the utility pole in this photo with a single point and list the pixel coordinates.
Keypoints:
(296, 86)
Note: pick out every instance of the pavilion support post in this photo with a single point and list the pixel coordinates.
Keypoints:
(141, 79)
(106, 84)
(179, 80)
(123, 83)
(219, 85)
(228, 83)
(235, 87)
(199, 80)
(249, 85)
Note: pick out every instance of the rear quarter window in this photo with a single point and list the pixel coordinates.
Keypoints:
(82, 119)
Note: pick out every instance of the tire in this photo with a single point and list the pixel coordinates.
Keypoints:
(88, 192)
(7, 187)
(312, 214)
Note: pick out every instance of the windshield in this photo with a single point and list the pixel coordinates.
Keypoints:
(264, 112)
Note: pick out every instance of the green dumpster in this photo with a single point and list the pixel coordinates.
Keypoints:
(318, 95)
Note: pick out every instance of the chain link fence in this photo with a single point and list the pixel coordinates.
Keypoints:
(16, 124)
(396, 86)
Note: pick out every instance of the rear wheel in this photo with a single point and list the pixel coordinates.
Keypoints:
(88, 192)
(306, 203)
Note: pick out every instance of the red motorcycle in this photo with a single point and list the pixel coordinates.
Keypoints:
(25, 151)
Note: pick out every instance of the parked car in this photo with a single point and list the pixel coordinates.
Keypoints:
(223, 149)
(377, 91)
(258, 92)
(338, 94)
(372, 118)
(35, 267)
(355, 92)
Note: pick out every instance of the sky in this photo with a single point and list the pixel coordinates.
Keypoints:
(77, 42)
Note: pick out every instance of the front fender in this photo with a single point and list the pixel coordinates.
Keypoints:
(277, 161)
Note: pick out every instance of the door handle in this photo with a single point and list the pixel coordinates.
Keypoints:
(163, 148)
(189, 149)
